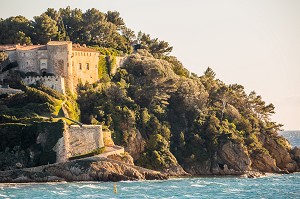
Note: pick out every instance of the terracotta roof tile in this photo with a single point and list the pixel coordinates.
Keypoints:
(32, 47)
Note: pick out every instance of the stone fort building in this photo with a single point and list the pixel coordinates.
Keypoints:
(60, 65)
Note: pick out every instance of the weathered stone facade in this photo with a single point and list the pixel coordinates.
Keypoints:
(55, 82)
(69, 62)
(79, 140)
(84, 139)
(9, 91)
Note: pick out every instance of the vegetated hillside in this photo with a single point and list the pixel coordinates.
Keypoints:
(162, 114)
(208, 127)
(30, 126)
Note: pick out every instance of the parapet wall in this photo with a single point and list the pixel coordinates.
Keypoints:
(54, 82)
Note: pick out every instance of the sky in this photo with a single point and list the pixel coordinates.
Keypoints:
(253, 43)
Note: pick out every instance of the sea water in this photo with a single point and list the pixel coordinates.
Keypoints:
(270, 186)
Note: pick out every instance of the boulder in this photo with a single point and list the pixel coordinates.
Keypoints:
(234, 156)
(262, 161)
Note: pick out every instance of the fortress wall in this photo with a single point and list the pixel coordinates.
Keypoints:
(9, 91)
(80, 140)
(107, 138)
(62, 146)
(54, 82)
(85, 73)
(58, 59)
(12, 55)
(84, 139)
(27, 60)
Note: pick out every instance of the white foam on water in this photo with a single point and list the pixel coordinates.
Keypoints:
(59, 193)
(173, 186)
(230, 190)
(198, 185)
(92, 186)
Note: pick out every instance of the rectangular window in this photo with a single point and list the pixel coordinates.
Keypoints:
(68, 64)
(88, 66)
(80, 67)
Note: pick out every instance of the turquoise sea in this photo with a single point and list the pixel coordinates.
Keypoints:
(271, 186)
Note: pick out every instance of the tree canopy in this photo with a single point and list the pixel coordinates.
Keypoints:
(92, 27)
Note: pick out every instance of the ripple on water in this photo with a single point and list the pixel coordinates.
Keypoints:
(280, 186)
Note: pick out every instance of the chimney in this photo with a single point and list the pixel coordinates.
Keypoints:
(84, 45)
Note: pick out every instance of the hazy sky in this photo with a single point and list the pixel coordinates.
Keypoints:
(255, 43)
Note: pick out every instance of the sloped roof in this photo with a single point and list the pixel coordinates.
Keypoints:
(32, 47)
(10, 47)
(7, 47)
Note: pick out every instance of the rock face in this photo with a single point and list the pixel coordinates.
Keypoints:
(235, 159)
(263, 162)
(174, 168)
(126, 158)
(295, 154)
(136, 144)
(234, 156)
(90, 169)
(230, 159)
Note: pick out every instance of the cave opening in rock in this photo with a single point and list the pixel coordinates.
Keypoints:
(221, 166)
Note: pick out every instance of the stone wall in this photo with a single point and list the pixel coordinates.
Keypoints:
(54, 82)
(27, 60)
(79, 140)
(9, 91)
(84, 139)
(85, 67)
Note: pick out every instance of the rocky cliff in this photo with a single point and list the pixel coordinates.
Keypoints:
(177, 122)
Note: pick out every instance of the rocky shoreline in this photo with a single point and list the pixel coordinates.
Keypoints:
(89, 169)
(97, 169)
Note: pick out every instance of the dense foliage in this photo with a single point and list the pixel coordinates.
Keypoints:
(38, 103)
(93, 28)
(188, 115)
